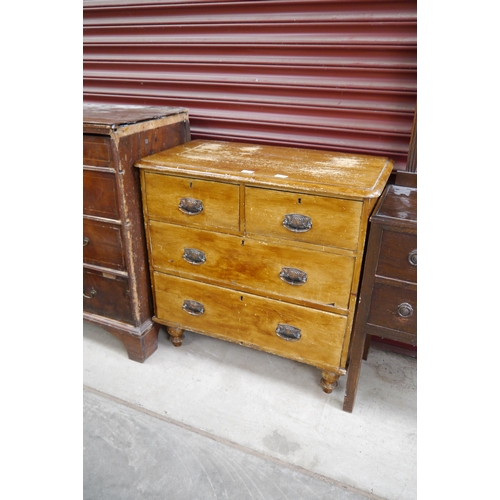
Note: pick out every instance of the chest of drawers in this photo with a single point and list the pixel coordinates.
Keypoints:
(388, 296)
(260, 245)
(116, 286)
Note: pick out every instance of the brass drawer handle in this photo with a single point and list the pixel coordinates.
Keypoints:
(288, 332)
(193, 256)
(85, 241)
(412, 257)
(190, 206)
(293, 276)
(92, 294)
(194, 308)
(405, 310)
(297, 223)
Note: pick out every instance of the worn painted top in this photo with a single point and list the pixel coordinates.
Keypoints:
(341, 174)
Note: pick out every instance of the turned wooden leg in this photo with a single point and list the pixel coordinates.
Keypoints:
(329, 381)
(176, 336)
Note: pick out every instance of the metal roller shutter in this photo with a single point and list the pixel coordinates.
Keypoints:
(334, 75)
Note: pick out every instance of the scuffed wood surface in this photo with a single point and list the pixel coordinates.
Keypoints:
(116, 115)
(356, 176)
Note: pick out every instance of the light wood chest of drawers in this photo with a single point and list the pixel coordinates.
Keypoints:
(116, 286)
(260, 245)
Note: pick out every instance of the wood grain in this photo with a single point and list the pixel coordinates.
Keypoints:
(335, 221)
(220, 201)
(251, 320)
(253, 264)
(352, 176)
(270, 215)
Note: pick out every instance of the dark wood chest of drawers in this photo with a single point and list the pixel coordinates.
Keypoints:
(260, 245)
(116, 285)
(387, 304)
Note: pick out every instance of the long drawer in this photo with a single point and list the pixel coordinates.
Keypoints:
(296, 332)
(300, 217)
(102, 244)
(106, 295)
(319, 277)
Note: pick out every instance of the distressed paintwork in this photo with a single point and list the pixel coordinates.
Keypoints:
(248, 194)
(115, 259)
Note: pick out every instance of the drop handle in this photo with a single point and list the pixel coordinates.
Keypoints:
(405, 310)
(92, 294)
(288, 332)
(293, 276)
(297, 223)
(194, 256)
(190, 206)
(194, 308)
(85, 241)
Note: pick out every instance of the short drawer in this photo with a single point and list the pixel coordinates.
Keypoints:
(269, 267)
(102, 244)
(106, 295)
(99, 194)
(313, 219)
(192, 202)
(96, 150)
(394, 307)
(398, 256)
(296, 332)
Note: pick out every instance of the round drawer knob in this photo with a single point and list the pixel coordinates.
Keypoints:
(405, 310)
(93, 293)
(412, 257)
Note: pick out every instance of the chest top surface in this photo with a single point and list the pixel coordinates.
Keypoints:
(102, 117)
(354, 176)
(398, 203)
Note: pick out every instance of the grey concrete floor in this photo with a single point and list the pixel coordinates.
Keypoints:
(215, 420)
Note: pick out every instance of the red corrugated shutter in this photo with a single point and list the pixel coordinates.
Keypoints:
(334, 75)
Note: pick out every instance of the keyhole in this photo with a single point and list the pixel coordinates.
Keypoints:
(300, 201)
(190, 184)
(241, 298)
(242, 243)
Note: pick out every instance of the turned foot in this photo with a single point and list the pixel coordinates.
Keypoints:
(329, 381)
(176, 336)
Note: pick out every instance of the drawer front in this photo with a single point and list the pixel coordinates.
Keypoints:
(313, 219)
(251, 320)
(106, 295)
(394, 307)
(398, 256)
(317, 277)
(96, 150)
(192, 202)
(99, 194)
(102, 244)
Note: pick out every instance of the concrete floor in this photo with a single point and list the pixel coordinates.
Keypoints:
(215, 420)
